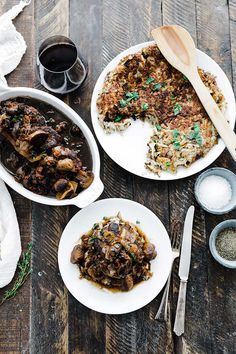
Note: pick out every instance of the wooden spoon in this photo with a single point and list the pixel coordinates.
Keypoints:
(177, 46)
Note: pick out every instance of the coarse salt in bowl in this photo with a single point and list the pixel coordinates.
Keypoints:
(215, 190)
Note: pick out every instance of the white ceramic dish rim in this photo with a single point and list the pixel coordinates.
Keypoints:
(143, 293)
(215, 170)
(212, 243)
(88, 195)
(182, 172)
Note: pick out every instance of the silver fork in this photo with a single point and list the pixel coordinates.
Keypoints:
(175, 244)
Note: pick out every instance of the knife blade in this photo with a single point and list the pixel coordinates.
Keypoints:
(184, 266)
(185, 256)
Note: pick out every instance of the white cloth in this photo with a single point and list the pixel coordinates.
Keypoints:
(12, 43)
(12, 48)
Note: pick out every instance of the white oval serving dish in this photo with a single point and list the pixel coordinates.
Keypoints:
(129, 148)
(85, 197)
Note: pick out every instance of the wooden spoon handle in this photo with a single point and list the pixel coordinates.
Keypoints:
(215, 114)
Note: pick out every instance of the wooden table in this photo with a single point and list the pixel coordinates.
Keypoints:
(44, 317)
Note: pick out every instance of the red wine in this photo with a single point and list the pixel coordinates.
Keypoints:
(58, 57)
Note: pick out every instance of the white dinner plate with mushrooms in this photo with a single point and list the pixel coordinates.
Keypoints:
(99, 298)
(129, 148)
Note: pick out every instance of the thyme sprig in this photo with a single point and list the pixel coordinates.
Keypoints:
(24, 267)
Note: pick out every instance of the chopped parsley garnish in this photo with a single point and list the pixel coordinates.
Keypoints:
(92, 239)
(157, 87)
(123, 103)
(167, 163)
(131, 96)
(158, 127)
(95, 226)
(149, 80)
(118, 118)
(196, 134)
(145, 106)
(177, 145)
(177, 108)
(175, 133)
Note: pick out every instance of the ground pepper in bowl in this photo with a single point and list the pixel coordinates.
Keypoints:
(226, 244)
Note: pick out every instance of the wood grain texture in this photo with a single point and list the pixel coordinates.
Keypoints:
(86, 32)
(14, 314)
(218, 41)
(49, 302)
(51, 321)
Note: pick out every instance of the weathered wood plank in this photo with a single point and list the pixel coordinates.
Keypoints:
(14, 314)
(49, 313)
(217, 40)
(86, 327)
(180, 198)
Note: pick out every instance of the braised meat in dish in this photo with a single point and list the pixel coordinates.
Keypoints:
(44, 150)
(145, 86)
(114, 254)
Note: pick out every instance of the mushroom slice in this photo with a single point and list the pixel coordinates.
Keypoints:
(85, 178)
(65, 165)
(60, 185)
(69, 192)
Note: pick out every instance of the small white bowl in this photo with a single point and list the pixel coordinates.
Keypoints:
(229, 176)
(85, 197)
(101, 299)
(212, 243)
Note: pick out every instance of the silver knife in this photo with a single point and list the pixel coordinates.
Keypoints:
(184, 266)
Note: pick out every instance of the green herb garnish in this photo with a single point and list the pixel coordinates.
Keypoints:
(145, 106)
(177, 145)
(158, 127)
(24, 271)
(132, 96)
(175, 133)
(157, 87)
(172, 97)
(149, 80)
(95, 226)
(167, 163)
(177, 108)
(196, 134)
(185, 78)
(133, 256)
(92, 239)
(137, 222)
(118, 118)
(123, 103)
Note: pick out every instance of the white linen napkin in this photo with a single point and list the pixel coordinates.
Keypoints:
(12, 43)
(12, 48)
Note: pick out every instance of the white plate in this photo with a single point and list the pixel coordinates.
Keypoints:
(103, 300)
(129, 148)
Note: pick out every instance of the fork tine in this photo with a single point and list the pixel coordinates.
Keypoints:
(175, 238)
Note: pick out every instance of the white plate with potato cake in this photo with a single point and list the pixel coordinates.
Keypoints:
(148, 118)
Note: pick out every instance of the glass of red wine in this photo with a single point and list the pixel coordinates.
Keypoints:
(61, 68)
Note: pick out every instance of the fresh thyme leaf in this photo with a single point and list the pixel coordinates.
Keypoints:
(196, 128)
(158, 127)
(24, 271)
(199, 139)
(145, 106)
(92, 239)
(132, 96)
(167, 163)
(117, 118)
(157, 87)
(133, 256)
(177, 108)
(149, 80)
